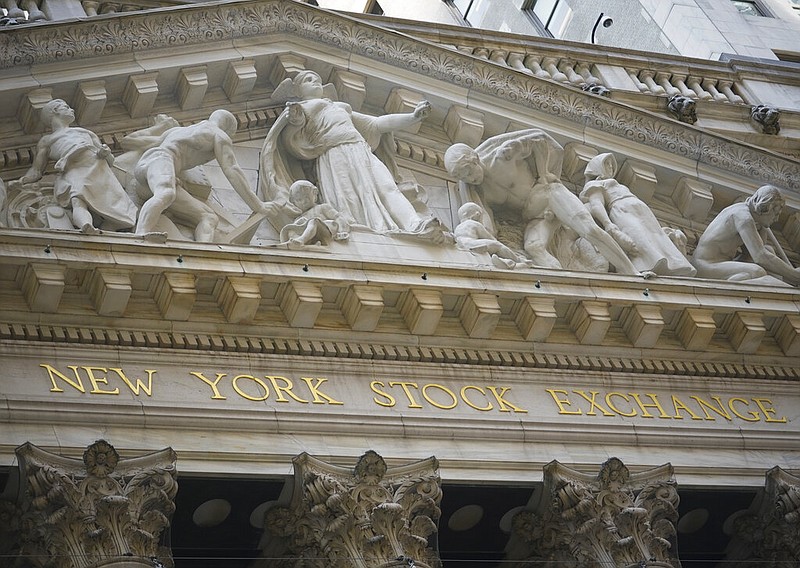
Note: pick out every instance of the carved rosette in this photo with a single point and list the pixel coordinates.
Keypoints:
(99, 511)
(614, 520)
(369, 517)
(768, 535)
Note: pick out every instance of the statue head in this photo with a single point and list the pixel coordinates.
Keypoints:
(766, 202)
(303, 194)
(682, 108)
(225, 121)
(307, 84)
(602, 166)
(767, 117)
(464, 163)
(57, 108)
(470, 210)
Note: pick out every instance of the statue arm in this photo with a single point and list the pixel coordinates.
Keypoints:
(547, 154)
(149, 137)
(223, 151)
(39, 163)
(398, 121)
(761, 255)
(592, 196)
(103, 152)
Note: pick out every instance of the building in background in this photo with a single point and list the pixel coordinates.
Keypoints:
(715, 29)
(246, 385)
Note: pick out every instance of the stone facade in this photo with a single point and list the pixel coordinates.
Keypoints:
(247, 347)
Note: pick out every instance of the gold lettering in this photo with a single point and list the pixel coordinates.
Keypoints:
(53, 373)
(148, 390)
(256, 380)
(502, 403)
(411, 402)
(287, 388)
(768, 410)
(488, 406)
(97, 381)
(593, 403)
(390, 399)
(678, 405)
(562, 402)
(617, 410)
(318, 394)
(451, 394)
(753, 416)
(720, 409)
(220, 376)
(654, 404)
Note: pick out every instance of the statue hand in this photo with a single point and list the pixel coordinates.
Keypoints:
(342, 236)
(624, 241)
(295, 113)
(267, 208)
(291, 209)
(422, 110)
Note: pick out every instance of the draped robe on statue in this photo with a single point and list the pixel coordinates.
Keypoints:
(332, 147)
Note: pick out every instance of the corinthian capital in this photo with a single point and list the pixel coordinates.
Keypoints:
(613, 519)
(101, 510)
(768, 535)
(370, 516)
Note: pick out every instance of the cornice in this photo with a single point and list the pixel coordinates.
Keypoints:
(116, 292)
(188, 26)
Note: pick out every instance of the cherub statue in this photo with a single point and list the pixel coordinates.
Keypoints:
(326, 141)
(84, 179)
(317, 223)
(745, 226)
(471, 234)
(630, 221)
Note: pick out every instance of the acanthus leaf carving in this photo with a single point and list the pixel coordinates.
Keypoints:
(768, 534)
(100, 509)
(371, 517)
(615, 519)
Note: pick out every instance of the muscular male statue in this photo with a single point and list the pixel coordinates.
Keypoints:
(182, 148)
(521, 171)
(745, 225)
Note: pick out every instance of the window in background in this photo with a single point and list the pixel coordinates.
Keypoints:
(748, 7)
(473, 11)
(553, 14)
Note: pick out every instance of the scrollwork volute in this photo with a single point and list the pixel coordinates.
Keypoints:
(369, 517)
(768, 534)
(613, 520)
(102, 510)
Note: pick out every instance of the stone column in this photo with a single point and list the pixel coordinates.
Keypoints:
(99, 511)
(612, 520)
(768, 535)
(368, 517)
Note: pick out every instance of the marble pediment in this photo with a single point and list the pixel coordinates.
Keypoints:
(119, 71)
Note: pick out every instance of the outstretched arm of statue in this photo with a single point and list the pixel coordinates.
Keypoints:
(223, 151)
(150, 136)
(398, 121)
(760, 254)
